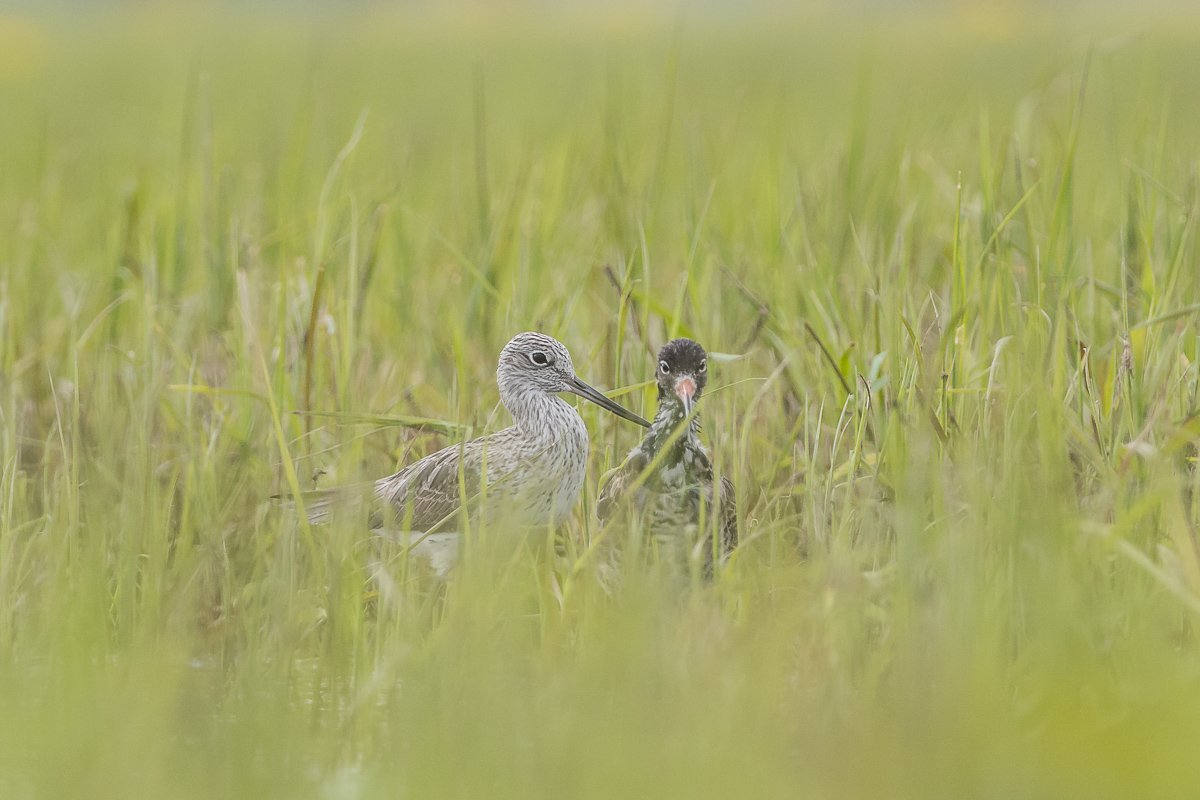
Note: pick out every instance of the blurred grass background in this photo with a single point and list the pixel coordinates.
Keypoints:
(953, 244)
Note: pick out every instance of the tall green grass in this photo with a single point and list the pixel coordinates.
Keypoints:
(954, 253)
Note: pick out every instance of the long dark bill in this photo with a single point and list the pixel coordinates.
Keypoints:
(588, 393)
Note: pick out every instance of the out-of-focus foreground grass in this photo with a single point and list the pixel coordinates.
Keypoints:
(956, 250)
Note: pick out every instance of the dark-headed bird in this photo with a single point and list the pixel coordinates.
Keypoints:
(668, 477)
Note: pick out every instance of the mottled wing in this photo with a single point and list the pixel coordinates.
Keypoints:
(613, 493)
(727, 502)
(424, 496)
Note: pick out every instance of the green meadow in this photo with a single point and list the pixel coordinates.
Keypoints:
(945, 258)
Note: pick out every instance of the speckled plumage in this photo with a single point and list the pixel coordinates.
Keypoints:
(681, 479)
(534, 468)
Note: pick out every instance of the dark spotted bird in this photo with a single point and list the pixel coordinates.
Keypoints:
(534, 469)
(668, 477)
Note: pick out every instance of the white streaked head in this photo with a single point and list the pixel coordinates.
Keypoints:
(535, 362)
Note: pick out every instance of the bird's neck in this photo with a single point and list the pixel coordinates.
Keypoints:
(667, 421)
(540, 415)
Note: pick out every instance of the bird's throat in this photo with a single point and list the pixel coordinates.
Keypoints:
(665, 434)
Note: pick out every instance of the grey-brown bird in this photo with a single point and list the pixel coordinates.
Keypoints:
(531, 473)
(668, 477)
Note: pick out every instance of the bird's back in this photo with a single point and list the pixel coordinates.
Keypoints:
(533, 477)
(673, 498)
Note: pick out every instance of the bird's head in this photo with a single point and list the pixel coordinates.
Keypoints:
(536, 362)
(682, 374)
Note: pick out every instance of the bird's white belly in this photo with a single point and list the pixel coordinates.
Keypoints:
(556, 473)
(552, 489)
(568, 491)
(440, 549)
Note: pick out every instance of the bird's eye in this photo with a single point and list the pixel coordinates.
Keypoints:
(664, 368)
(704, 365)
(539, 359)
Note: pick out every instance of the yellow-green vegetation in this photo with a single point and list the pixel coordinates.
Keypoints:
(954, 253)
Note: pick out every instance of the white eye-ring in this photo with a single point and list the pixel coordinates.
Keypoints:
(704, 365)
(664, 367)
(539, 359)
